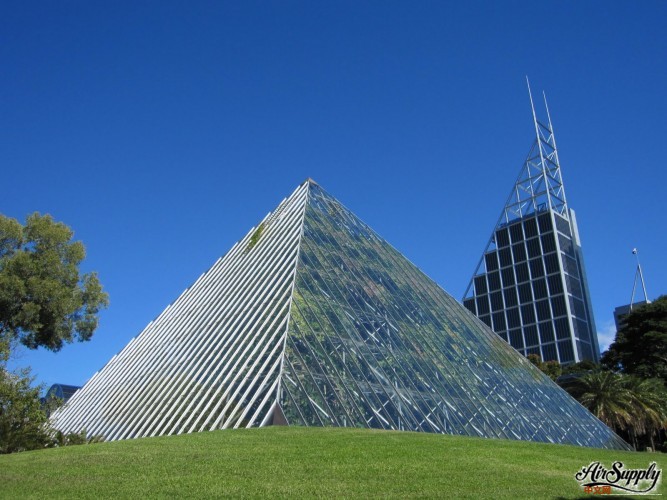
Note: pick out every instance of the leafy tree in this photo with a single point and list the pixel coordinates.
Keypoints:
(22, 418)
(640, 347)
(552, 369)
(44, 301)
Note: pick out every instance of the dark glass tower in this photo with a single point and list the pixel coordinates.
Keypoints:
(530, 284)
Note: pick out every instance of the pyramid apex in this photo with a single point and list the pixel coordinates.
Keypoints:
(310, 181)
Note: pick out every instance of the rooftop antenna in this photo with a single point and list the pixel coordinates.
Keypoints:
(640, 275)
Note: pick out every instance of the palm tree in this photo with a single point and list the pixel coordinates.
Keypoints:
(649, 401)
(605, 395)
(623, 402)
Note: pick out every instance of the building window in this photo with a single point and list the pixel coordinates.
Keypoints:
(494, 280)
(497, 301)
(548, 243)
(555, 284)
(510, 297)
(491, 260)
(502, 237)
(545, 223)
(551, 263)
(530, 227)
(505, 255)
(549, 352)
(516, 339)
(482, 304)
(513, 319)
(499, 322)
(534, 249)
(522, 272)
(540, 288)
(480, 285)
(562, 328)
(528, 314)
(558, 306)
(543, 311)
(525, 295)
(536, 269)
(508, 277)
(530, 333)
(519, 252)
(565, 351)
(516, 232)
(546, 332)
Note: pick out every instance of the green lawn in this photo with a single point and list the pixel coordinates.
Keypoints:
(306, 462)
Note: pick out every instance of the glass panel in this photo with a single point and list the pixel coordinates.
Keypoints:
(546, 332)
(565, 351)
(549, 352)
(570, 266)
(530, 332)
(494, 280)
(551, 263)
(522, 274)
(505, 255)
(540, 288)
(527, 314)
(562, 328)
(510, 297)
(536, 269)
(555, 284)
(558, 306)
(502, 237)
(577, 308)
(516, 232)
(543, 311)
(470, 305)
(480, 285)
(491, 261)
(548, 243)
(497, 301)
(499, 322)
(513, 319)
(525, 293)
(530, 227)
(534, 249)
(545, 223)
(519, 252)
(566, 245)
(516, 339)
(508, 276)
(562, 225)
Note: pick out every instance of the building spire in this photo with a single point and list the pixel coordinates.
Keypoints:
(638, 275)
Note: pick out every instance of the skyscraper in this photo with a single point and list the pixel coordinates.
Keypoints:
(530, 284)
(313, 319)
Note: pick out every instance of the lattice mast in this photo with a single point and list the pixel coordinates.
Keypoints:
(538, 187)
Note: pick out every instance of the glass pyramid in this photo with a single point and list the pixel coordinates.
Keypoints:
(313, 319)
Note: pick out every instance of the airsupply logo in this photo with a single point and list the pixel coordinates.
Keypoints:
(596, 479)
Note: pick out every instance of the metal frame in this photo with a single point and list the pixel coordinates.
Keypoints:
(313, 319)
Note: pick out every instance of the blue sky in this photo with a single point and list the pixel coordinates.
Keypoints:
(161, 132)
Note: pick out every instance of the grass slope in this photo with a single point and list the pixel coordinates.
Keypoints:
(306, 462)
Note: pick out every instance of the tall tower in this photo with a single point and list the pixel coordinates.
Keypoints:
(530, 285)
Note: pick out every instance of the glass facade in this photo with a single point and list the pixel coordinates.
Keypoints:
(537, 259)
(313, 319)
